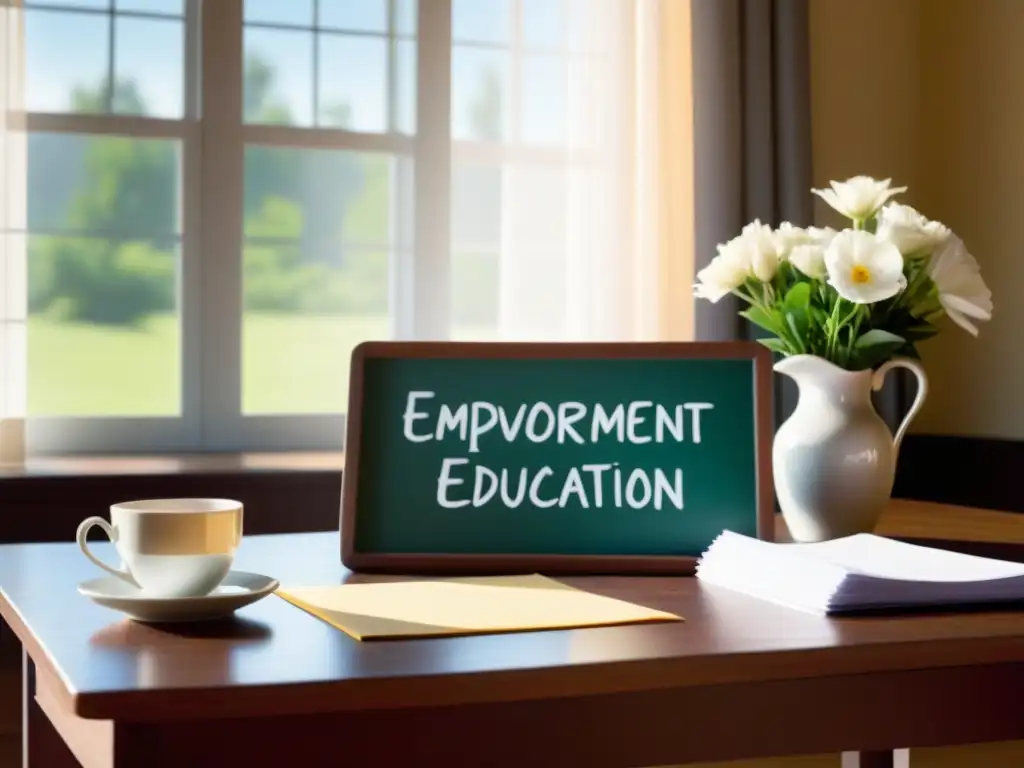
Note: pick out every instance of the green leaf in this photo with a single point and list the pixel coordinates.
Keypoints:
(760, 318)
(798, 298)
(776, 345)
(926, 308)
(920, 332)
(876, 346)
(798, 328)
(877, 337)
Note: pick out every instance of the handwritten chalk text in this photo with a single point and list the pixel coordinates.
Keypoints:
(589, 486)
(637, 422)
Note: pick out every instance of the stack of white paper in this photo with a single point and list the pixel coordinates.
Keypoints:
(857, 573)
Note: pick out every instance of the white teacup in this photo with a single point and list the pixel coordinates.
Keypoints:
(171, 547)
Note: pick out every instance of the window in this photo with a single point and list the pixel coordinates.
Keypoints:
(328, 105)
(110, 93)
(225, 197)
(516, 74)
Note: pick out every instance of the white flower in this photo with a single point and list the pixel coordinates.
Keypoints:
(962, 292)
(805, 248)
(860, 197)
(788, 237)
(757, 247)
(723, 275)
(863, 268)
(752, 253)
(909, 231)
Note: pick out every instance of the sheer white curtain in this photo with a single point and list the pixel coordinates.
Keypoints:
(583, 254)
(13, 277)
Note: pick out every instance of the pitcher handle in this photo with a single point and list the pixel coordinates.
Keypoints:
(878, 379)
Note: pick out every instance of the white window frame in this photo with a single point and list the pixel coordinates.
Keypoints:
(69, 435)
(213, 138)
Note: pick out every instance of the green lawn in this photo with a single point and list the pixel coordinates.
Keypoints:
(291, 364)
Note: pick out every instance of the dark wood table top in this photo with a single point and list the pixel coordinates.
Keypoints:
(274, 658)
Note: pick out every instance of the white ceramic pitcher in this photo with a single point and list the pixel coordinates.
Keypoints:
(834, 459)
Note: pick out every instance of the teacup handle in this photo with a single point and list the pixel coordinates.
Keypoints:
(81, 537)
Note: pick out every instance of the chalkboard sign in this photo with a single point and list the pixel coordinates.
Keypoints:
(561, 457)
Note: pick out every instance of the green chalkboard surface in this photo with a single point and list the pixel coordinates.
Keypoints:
(497, 457)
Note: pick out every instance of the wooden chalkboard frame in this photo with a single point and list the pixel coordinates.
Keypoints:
(395, 562)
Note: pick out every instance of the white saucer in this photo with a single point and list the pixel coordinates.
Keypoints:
(238, 589)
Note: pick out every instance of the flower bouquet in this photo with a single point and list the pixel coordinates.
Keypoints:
(858, 296)
(843, 308)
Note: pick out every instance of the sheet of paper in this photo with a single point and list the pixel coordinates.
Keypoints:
(888, 559)
(463, 606)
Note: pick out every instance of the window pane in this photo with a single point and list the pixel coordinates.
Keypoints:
(278, 84)
(479, 94)
(317, 229)
(66, 61)
(405, 17)
(103, 328)
(405, 119)
(298, 12)
(321, 197)
(520, 257)
(103, 185)
(544, 98)
(102, 276)
(476, 207)
(480, 21)
(356, 15)
(475, 295)
(586, 30)
(476, 244)
(297, 361)
(543, 24)
(149, 67)
(353, 83)
(173, 7)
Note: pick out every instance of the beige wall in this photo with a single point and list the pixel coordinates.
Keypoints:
(864, 90)
(928, 92)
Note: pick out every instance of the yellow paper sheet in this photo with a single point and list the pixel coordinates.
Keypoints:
(463, 606)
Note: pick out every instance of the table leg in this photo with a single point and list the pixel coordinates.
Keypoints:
(41, 745)
(896, 758)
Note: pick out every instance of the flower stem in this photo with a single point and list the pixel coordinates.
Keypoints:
(854, 331)
(833, 334)
(837, 326)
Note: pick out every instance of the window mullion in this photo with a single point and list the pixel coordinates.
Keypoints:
(323, 138)
(400, 265)
(131, 126)
(316, 62)
(431, 284)
(513, 126)
(392, 67)
(111, 47)
(190, 206)
(193, 59)
(217, 327)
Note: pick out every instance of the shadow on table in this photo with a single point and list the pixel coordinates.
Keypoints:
(129, 633)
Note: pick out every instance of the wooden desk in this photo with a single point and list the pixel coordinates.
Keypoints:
(740, 678)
